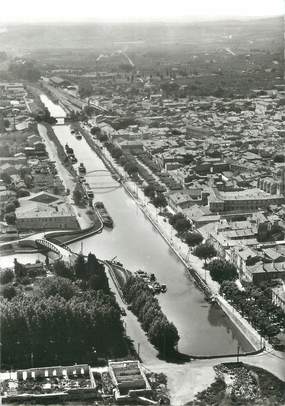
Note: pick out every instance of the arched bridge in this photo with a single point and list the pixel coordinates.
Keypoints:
(63, 252)
(103, 180)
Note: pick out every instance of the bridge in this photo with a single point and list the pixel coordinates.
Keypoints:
(37, 242)
(112, 182)
(63, 252)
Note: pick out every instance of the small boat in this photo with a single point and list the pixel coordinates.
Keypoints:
(72, 158)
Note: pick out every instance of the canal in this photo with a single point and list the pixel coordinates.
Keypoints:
(203, 327)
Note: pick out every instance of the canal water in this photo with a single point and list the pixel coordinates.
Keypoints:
(203, 328)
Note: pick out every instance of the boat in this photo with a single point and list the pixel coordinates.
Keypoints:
(81, 169)
(150, 279)
(106, 218)
(72, 158)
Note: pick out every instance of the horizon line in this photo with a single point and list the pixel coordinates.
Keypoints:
(134, 20)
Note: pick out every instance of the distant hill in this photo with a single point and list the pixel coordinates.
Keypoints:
(112, 36)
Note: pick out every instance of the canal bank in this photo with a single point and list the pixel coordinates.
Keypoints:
(248, 332)
(203, 328)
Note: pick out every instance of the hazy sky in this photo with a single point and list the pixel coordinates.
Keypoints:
(128, 10)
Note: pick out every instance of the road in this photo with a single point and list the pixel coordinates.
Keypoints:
(184, 381)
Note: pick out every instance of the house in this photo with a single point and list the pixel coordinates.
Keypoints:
(261, 271)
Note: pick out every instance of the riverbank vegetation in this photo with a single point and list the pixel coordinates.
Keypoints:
(69, 317)
(255, 304)
(162, 333)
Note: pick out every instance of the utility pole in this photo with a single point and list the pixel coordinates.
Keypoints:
(139, 345)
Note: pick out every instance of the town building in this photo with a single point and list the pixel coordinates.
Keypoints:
(129, 379)
(246, 201)
(44, 211)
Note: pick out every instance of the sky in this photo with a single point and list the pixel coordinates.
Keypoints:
(28, 11)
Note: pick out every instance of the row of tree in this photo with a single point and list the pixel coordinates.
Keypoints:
(256, 304)
(62, 328)
(157, 199)
(67, 318)
(162, 334)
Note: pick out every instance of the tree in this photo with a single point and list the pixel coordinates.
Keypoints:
(19, 269)
(10, 218)
(77, 195)
(222, 271)
(149, 191)
(60, 269)
(96, 274)
(10, 207)
(163, 335)
(57, 286)
(23, 192)
(182, 225)
(9, 291)
(193, 239)
(117, 153)
(95, 130)
(159, 201)
(131, 168)
(79, 267)
(6, 276)
(205, 251)
(6, 178)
